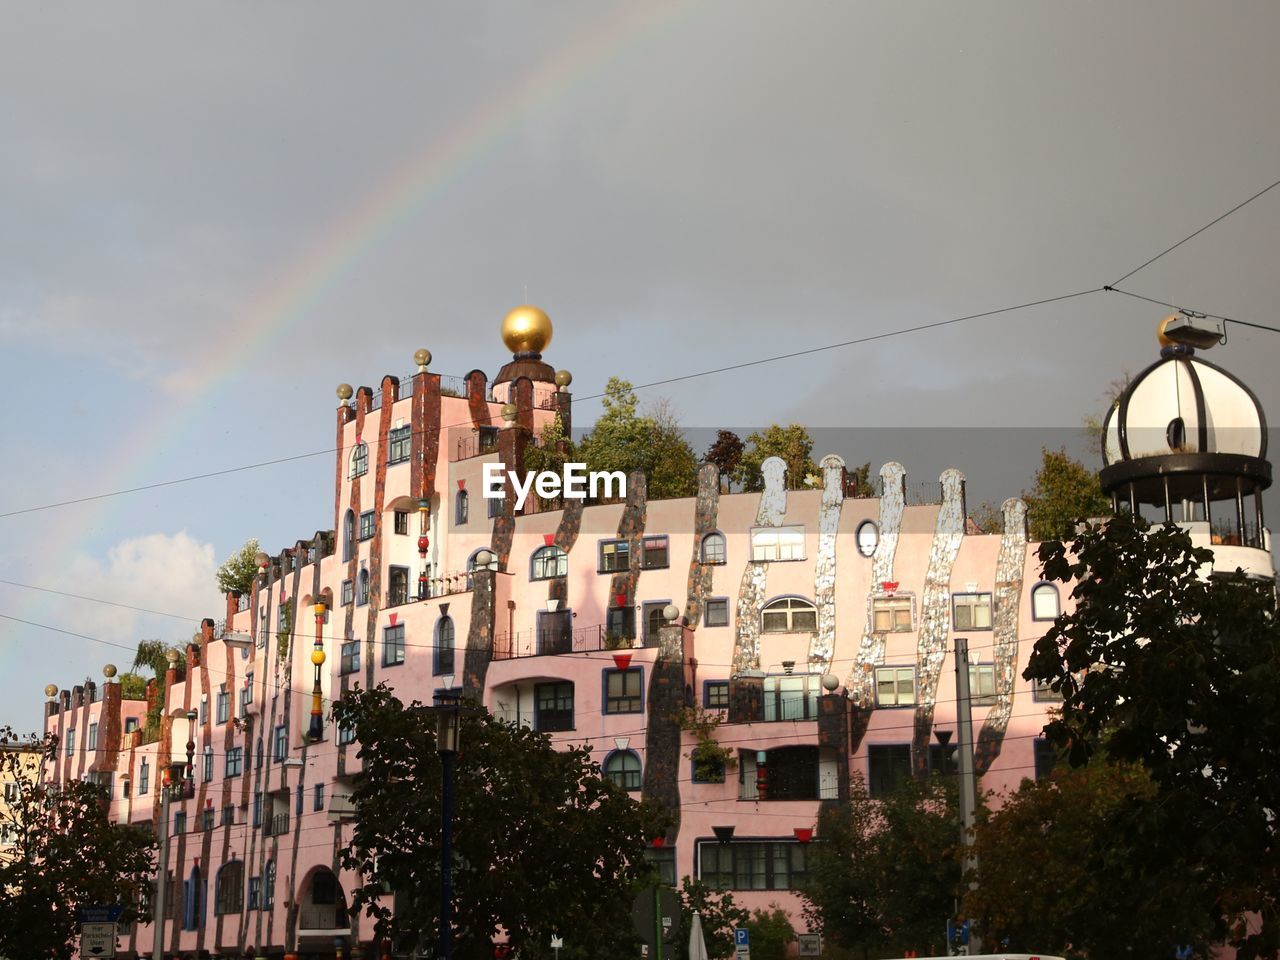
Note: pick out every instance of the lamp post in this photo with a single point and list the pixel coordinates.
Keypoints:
(447, 729)
(967, 778)
(179, 778)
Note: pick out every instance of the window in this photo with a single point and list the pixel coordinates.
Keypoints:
(324, 889)
(317, 801)
(621, 622)
(895, 686)
(348, 536)
(397, 586)
(229, 814)
(235, 761)
(224, 705)
(246, 694)
(144, 778)
(943, 760)
(1044, 693)
(359, 460)
(654, 553)
(1046, 757)
(255, 893)
(258, 754)
(1044, 602)
(368, 523)
(461, 508)
(193, 901)
(362, 597)
(125, 789)
(257, 809)
(615, 556)
(443, 661)
(393, 645)
(892, 614)
(401, 523)
(230, 888)
(179, 823)
(791, 697)
(982, 684)
(280, 743)
(716, 613)
(553, 707)
(71, 741)
(488, 439)
(548, 562)
(623, 768)
(92, 743)
(130, 725)
(11, 792)
(785, 773)
(789, 615)
(399, 441)
(495, 505)
(346, 734)
(206, 819)
(654, 621)
(555, 632)
(713, 548)
(752, 864)
(777, 543)
(350, 662)
(208, 764)
(715, 694)
(868, 537)
(297, 800)
(971, 611)
(887, 764)
(623, 690)
(664, 860)
(269, 885)
(348, 592)
(204, 709)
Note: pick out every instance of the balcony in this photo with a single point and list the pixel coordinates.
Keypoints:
(549, 642)
(276, 825)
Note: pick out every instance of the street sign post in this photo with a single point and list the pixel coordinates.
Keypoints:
(810, 945)
(98, 940)
(742, 943)
(100, 913)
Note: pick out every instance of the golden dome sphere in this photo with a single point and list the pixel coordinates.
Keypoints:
(109, 670)
(344, 392)
(526, 329)
(422, 358)
(51, 690)
(1165, 341)
(563, 378)
(317, 657)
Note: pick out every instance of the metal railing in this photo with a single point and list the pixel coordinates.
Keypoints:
(445, 586)
(276, 825)
(550, 642)
(1229, 532)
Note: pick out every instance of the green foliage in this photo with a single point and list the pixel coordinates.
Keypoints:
(988, 517)
(792, 443)
(726, 453)
(617, 641)
(238, 570)
(1179, 672)
(66, 854)
(152, 654)
(624, 439)
(887, 872)
(710, 758)
(771, 932)
(549, 845)
(285, 635)
(133, 686)
(1059, 869)
(860, 483)
(552, 451)
(1065, 492)
(720, 913)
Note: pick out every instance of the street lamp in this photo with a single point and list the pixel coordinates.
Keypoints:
(447, 735)
(179, 784)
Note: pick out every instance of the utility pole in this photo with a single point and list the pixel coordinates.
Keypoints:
(968, 781)
(181, 776)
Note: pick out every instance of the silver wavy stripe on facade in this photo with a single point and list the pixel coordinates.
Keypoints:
(935, 609)
(822, 645)
(1006, 603)
(860, 687)
(771, 512)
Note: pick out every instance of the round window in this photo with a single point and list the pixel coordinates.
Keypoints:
(868, 537)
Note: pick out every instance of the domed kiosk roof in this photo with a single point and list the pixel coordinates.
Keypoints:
(1188, 419)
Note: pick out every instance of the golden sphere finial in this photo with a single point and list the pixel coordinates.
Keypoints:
(563, 378)
(344, 393)
(51, 690)
(1163, 340)
(422, 357)
(526, 329)
(109, 670)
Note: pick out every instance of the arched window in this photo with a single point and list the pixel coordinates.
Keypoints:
(461, 507)
(1044, 602)
(208, 763)
(713, 548)
(269, 885)
(359, 460)
(549, 562)
(789, 615)
(229, 897)
(363, 596)
(348, 535)
(444, 646)
(623, 768)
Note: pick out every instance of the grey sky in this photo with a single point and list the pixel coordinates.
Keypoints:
(681, 185)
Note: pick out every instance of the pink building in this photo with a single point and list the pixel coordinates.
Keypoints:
(819, 624)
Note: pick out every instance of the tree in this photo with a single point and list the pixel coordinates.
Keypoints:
(238, 570)
(65, 854)
(154, 655)
(133, 686)
(1163, 666)
(1065, 492)
(886, 874)
(771, 932)
(546, 845)
(792, 443)
(860, 483)
(1059, 871)
(623, 439)
(719, 911)
(552, 451)
(726, 454)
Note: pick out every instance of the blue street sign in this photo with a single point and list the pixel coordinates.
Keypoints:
(100, 913)
(741, 937)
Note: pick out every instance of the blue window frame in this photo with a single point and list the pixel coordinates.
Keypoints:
(715, 694)
(280, 743)
(623, 768)
(623, 690)
(318, 800)
(367, 525)
(235, 761)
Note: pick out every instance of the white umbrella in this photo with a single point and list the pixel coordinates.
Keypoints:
(697, 944)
